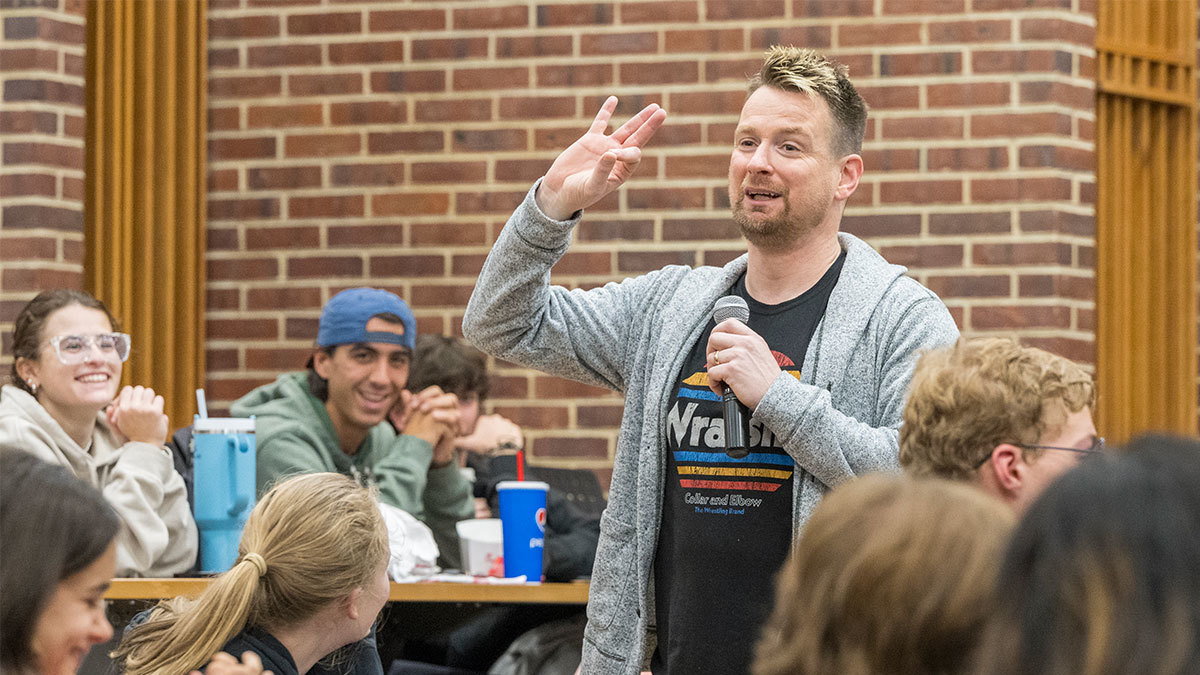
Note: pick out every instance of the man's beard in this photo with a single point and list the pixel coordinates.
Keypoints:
(777, 232)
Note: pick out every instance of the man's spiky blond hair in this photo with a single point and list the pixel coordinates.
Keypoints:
(806, 71)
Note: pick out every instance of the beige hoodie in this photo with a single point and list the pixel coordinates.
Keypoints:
(158, 535)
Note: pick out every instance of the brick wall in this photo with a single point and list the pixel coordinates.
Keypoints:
(385, 143)
(41, 153)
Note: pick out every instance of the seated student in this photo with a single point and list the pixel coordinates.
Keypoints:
(892, 576)
(342, 414)
(310, 578)
(1101, 574)
(1007, 418)
(62, 406)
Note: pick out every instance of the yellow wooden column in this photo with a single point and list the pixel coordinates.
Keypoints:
(145, 186)
(1146, 216)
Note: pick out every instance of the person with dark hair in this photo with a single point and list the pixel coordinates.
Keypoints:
(343, 415)
(892, 576)
(57, 555)
(62, 406)
(1100, 577)
(694, 535)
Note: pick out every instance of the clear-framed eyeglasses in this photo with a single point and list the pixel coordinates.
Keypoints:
(1096, 448)
(74, 349)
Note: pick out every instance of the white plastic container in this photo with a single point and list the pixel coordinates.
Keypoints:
(482, 541)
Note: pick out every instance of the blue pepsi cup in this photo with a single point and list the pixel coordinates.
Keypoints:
(223, 460)
(523, 521)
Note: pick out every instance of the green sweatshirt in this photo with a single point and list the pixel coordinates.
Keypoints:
(294, 435)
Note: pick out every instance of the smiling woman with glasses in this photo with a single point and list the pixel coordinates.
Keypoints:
(62, 406)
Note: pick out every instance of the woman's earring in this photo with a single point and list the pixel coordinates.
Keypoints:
(33, 388)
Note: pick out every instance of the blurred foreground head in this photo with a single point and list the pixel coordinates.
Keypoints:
(892, 575)
(1103, 574)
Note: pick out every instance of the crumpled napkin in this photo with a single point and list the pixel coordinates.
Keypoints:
(414, 553)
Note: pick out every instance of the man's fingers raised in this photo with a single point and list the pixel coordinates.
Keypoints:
(600, 123)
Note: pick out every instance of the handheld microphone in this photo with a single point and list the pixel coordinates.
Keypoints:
(737, 416)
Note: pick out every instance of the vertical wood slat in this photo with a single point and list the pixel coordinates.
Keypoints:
(145, 190)
(1146, 216)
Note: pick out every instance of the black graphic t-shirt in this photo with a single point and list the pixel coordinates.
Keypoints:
(727, 523)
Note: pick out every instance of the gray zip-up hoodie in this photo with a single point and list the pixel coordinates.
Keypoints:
(840, 421)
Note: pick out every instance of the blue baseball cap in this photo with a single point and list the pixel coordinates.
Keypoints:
(344, 319)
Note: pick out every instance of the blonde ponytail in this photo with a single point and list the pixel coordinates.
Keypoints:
(310, 540)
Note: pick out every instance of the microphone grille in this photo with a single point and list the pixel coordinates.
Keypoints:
(731, 307)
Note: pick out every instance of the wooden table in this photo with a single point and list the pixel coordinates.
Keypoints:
(574, 593)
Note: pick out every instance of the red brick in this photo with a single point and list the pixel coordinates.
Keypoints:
(698, 229)
(500, 203)
(42, 154)
(28, 248)
(271, 238)
(1079, 98)
(360, 236)
(1081, 351)
(1010, 5)
(481, 140)
(283, 177)
(537, 107)
(405, 141)
(277, 358)
(454, 110)
(942, 7)
(970, 223)
(330, 84)
(891, 96)
(713, 41)
(925, 255)
(1020, 125)
(549, 388)
(282, 116)
(221, 359)
(28, 121)
(1010, 317)
(511, 16)
(491, 78)
(222, 238)
(810, 36)
(243, 269)
(964, 286)
(678, 72)
(923, 127)
(1045, 253)
(898, 159)
(525, 170)
(74, 64)
(924, 63)
(408, 81)
(556, 139)
(587, 75)
(647, 261)
(1020, 189)
(568, 446)
(450, 49)
(618, 43)
(321, 145)
(599, 416)
(448, 234)
(734, 10)
(1057, 156)
(39, 280)
(439, 295)
(28, 185)
(697, 166)
(970, 31)
(222, 389)
(921, 192)
(1058, 221)
(246, 86)
(74, 126)
(1057, 286)
(583, 263)
(967, 159)
(222, 180)
(730, 70)
(290, 297)
(279, 3)
(417, 20)
(575, 14)
(1057, 30)
(269, 56)
(968, 94)
(324, 266)
(369, 112)
(224, 119)
(665, 199)
(368, 174)
(12, 60)
(882, 225)
(710, 103)
(538, 45)
(326, 206)
(881, 33)
(42, 91)
(243, 27)
(660, 12)
(300, 329)
(72, 189)
(410, 204)
(467, 265)
(325, 23)
(243, 209)
(230, 57)
(391, 51)
(509, 387)
(43, 28)
(536, 416)
(407, 266)
(449, 172)
(1021, 61)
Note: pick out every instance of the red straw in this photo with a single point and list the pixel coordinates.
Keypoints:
(520, 465)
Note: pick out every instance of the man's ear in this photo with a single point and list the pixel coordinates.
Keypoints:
(321, 362)
(852, 169)
(1008, 466)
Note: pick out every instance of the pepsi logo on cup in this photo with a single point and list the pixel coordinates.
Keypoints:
(540, 518)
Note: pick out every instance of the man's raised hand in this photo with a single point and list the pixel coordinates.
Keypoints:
(595, 165)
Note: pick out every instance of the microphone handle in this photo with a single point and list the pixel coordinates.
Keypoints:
(737, 425)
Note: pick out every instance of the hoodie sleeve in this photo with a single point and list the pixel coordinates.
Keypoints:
(835, 446)
(158, 537)
(284, 453)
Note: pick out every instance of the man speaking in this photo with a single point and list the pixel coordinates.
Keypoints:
(693, 536)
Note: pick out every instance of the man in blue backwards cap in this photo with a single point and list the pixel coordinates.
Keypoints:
(342, 414)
